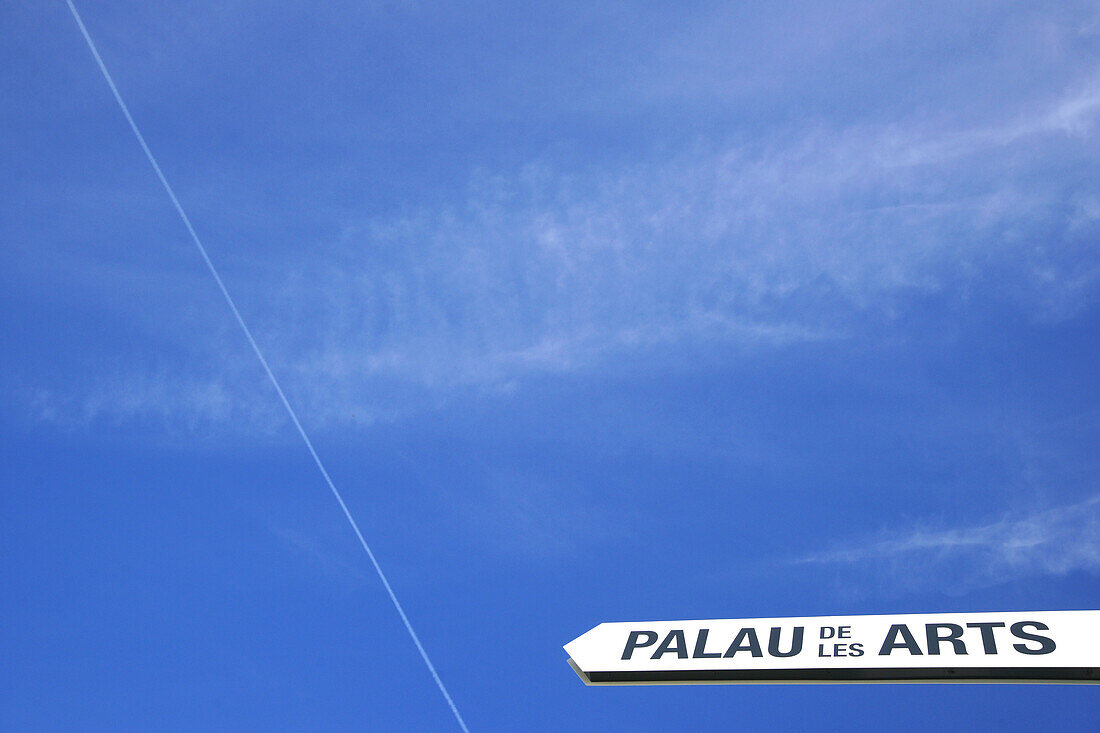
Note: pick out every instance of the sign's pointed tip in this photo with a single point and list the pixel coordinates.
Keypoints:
(571, 646)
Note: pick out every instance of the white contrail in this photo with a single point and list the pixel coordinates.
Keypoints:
(263, 361)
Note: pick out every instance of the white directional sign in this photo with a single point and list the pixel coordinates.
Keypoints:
(1040, 646)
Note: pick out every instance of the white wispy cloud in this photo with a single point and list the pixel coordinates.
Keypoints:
(751, 244)
(1050, 542)
(162, 400)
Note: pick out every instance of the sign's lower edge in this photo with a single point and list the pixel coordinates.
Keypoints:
(892, 675)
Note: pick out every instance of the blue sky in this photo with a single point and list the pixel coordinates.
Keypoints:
(595, 312)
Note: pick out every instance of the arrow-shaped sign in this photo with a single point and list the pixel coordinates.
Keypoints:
(1041, 646)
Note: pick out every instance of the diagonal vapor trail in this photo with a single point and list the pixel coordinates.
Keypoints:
(263, 362)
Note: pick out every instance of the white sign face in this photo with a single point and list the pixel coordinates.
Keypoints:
(1040, 646)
